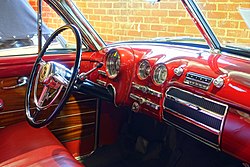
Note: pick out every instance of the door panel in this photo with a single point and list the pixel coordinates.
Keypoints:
(75, 121)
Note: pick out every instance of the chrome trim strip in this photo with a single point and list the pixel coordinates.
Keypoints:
(222, 124)
(114, 90)
(39, 23)
(223, 118)
(202, 97)
(72, 15)
(97, 121)
(152, 105)
(77, 114)
(146, 90)
(202, 24)
(215, 146)
(70, 127)
(190, 120)
(103, 73)
(70, 102)
(196, 107)
(142, 100)
(79, 101)
(100, 82)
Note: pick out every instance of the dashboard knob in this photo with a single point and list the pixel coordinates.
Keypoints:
(135, 107)
(178, 71)
(144, 89)
(218, 82)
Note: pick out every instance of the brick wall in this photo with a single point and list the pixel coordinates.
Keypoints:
(119, 20)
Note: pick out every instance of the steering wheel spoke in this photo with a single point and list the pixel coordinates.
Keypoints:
(53, 77)
(44, 96)
(61, 80)
(36, 114)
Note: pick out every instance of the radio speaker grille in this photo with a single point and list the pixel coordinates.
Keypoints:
(200, 117)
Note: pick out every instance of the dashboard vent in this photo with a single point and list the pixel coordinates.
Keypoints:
(197, 116)
(198, 80)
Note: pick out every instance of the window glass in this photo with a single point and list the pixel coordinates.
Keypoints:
(18, 28)
(119, 20)
(230, 21)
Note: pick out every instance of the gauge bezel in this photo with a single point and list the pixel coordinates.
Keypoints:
(138, 69)
(154, 71)
(108, 56)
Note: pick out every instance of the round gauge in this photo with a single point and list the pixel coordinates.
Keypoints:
(113, 63)
(143, 69)
(160, 74)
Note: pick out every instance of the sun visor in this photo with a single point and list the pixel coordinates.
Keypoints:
(18, 20)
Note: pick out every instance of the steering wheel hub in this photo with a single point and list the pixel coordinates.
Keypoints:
(45, 71)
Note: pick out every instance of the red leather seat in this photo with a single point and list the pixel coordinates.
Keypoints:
(22, 145)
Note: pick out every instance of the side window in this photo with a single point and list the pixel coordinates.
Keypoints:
(18, 28)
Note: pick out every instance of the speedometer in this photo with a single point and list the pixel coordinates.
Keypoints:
(113, 63)
(143, 69)
(160, 74)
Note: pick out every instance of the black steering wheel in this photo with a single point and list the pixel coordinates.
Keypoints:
(57, 82)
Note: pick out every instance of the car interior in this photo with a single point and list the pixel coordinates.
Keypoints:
(69, 97)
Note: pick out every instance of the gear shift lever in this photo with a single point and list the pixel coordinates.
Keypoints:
(83, 75)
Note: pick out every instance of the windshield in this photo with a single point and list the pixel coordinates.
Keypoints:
(165, 20)
(138, 20)
(230, 21)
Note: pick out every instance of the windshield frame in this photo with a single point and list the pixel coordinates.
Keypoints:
(205, 29)
(70, 14)
(202, 24)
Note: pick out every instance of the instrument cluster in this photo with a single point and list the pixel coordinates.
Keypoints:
(146, 89)
(158, 72)
(143, 70)
(113, 63)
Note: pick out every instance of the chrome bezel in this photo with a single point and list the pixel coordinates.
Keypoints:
(154, 74)
(139, 70)
(109, 54)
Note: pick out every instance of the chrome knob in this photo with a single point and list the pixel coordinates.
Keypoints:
(141, 100)
(218, 82)
(178, 71)
(135, 107)
(144, 89)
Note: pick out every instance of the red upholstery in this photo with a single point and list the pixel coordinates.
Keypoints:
(22, 145)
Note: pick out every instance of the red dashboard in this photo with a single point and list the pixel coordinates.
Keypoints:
(203, 94)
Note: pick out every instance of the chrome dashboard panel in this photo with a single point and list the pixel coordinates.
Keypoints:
(200, 117)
